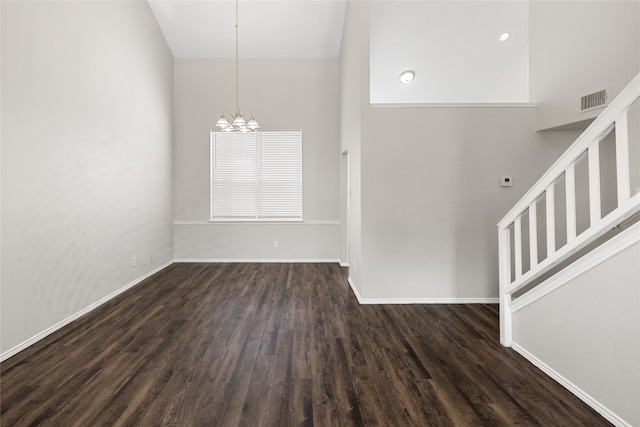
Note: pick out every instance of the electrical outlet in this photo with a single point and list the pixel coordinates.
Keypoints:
(134, 262)
(275, 243)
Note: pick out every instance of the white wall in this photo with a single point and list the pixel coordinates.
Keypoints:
(354, 96)
(513, 84)
(282, 94)
(86, 157)
(587, 334)
(453, 48)
(577, 48)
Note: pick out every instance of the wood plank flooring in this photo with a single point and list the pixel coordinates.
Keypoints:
(277, 345)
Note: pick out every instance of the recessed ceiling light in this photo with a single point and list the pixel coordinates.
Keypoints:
(407, 76)
(504, 36)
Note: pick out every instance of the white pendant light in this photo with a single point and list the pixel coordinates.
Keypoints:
(237, 122)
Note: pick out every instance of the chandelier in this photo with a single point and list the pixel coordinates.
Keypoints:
(237, 122)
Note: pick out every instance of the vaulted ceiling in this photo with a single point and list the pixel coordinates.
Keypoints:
(267, 29)
(452, 45)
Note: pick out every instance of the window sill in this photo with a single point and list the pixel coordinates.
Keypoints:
(253, 221)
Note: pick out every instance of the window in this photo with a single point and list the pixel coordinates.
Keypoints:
(256, 176)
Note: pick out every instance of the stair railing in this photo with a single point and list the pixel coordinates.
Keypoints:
(511, 274)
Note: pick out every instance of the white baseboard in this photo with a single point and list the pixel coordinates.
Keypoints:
(429, 301)
(362, 300)
(582, 395)
(355, 290)
(234, 260)
(17, 349)
(344, 264)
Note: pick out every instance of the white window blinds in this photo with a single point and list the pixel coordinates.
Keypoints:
(256, 175)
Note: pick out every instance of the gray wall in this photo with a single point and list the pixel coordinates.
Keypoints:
(580, 47)
(429, 222)
(86, 157)
(282, 94)
(588, 331)
(426, 195)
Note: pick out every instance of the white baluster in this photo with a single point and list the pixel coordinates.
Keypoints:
(533, 235)
(570, 184)
(594, 183)
(622, 158)
(517, 243)
(551, 219)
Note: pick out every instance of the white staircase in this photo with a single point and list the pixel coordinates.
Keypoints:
(516, 272)
(569, 254)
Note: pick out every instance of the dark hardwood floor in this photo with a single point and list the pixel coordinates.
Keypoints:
(278, 345)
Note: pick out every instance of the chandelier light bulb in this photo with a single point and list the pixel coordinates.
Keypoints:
(222, 122)
(239, 121)
(253, 124)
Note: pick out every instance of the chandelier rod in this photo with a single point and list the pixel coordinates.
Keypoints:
(237, 122)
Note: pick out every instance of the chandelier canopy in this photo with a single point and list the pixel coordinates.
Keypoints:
(237, 122)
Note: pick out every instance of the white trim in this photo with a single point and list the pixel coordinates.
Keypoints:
(191, 223)
(256, 260)
(597, 256)
(22, 346)
(362, 300)
(279, 222)
(429, 301)
(613, 218)
(581, 394)
(344, 264)
(355, 290)
(457, 105)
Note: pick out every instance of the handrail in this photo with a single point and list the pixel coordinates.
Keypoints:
(598, 128)
(614, 116)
